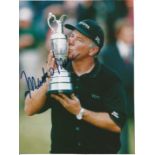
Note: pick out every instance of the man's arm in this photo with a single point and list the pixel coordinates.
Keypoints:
(36, 101)
(99, 119)
(38, 97)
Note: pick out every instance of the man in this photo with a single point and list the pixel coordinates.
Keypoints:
(90, 119)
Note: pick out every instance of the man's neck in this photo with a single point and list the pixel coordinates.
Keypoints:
(84, 66)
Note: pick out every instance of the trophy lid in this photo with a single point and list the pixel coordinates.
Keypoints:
(52, 18)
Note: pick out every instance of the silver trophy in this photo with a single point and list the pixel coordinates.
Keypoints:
(60, 80)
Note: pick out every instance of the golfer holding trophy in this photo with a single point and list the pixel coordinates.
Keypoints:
(90, 119)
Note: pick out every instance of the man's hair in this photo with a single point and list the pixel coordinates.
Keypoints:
(121, 23)
(92, 44)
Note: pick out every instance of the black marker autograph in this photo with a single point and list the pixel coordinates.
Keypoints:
(33, 83)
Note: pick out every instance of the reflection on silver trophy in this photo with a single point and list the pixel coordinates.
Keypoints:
(60, 80)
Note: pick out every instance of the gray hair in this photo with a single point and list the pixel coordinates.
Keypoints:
(92, 44)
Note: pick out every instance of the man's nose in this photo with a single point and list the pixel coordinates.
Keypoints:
(71, 40)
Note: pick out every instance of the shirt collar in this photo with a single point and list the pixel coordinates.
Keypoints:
(123, 48)
(91, 74)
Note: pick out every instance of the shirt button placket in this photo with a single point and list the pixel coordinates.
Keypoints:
(77, 128)
(78, 79)
(76, 87)
(77, 84)
(79, 144)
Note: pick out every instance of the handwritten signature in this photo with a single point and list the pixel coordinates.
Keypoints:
(34, 83)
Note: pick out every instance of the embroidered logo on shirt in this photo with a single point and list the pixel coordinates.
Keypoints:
(94, 96)
(115, 114)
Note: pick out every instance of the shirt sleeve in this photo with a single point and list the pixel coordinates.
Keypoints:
(115, 104)
(47, 105)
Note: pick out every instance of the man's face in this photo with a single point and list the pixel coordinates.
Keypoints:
(126, 34)
(79, 46)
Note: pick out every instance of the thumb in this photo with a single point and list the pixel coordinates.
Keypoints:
(74, 97)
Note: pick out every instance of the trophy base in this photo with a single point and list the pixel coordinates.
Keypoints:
(60, 83)
(68, 92)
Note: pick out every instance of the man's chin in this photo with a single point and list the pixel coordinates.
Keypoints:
(73, 56)
(70, 57)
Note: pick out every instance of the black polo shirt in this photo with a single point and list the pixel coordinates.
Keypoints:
(99, 91)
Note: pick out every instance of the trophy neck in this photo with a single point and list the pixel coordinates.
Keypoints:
(59, 28)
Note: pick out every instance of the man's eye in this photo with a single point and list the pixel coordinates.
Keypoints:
(72, 35)
(80, 40)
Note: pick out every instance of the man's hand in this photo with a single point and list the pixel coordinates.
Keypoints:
(50, 66)
(98, 119)
(70, 104)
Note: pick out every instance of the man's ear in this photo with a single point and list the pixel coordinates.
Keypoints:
(93, 51)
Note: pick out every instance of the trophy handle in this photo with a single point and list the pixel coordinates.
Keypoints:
(53, 18)
(63, 18)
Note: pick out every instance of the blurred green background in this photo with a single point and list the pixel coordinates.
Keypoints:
(34, 133)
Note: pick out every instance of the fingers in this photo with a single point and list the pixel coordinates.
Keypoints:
(58, 98)
(74, 97)
(50, 62)
(64, 97)
(50, 56)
